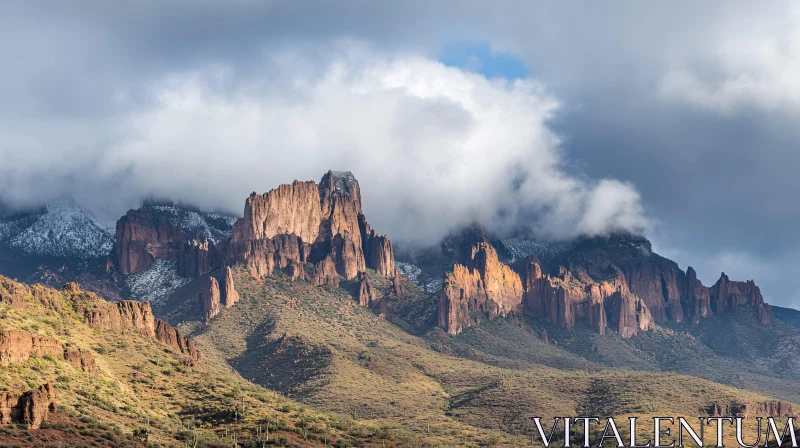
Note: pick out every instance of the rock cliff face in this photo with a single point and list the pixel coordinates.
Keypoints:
(729, 295)
(562, 299)
(228, 293)
(669, 293)
(378, 252)
(214, 295)
(17, 346)
(629, 314)
(367, 296)
(308, 222)
(137, 316)
(696, 298)
(616, 283)
(396, 288)
(325, 274)
(142, 236)
(196, 258)
(486, 286)
(208, 298)
(172, 337)
(30, 408)
(124, 315)
(746, 410)
(171, 233)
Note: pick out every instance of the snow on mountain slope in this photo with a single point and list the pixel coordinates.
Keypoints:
(519, 248)
(428, 278)
(63, 229)
(211, 226)
(156, 282)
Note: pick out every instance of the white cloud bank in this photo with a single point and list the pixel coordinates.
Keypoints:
(433, 147)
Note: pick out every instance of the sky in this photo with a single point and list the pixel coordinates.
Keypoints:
(675, 119)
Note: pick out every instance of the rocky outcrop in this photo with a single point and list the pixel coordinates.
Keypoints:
(288, 209)
(81, 360)
(297, 271)
(228, 293)
(30, 408)
(367, 296)
(628, 314)
(124, 315)
(172, 337)
(264, 255)
(325, 274)
(696, 298)
(209, 298)
(563, 299)
(486, 285)
(666, 291)
(550, 297)
(136, 316)
(17, 346)
(396, 288)
(728, 295)
(308, 222)
(746, 410)
(196, 258)
(378, 252)
(213, 295)
(142, 236)
(13, 293)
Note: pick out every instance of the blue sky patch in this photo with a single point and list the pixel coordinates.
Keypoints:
(478, 57)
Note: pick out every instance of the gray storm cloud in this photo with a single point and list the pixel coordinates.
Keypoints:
(433, 147)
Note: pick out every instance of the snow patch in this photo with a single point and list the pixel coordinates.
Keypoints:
(429, 280)
(156, 282)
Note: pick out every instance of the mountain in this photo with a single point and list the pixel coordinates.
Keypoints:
(62, 229)
(453, 345)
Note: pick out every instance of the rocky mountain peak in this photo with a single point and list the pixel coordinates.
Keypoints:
(340, 183)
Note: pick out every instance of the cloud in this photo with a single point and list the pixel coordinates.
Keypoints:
(752, 61)
(698, 111)
(434, 147)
